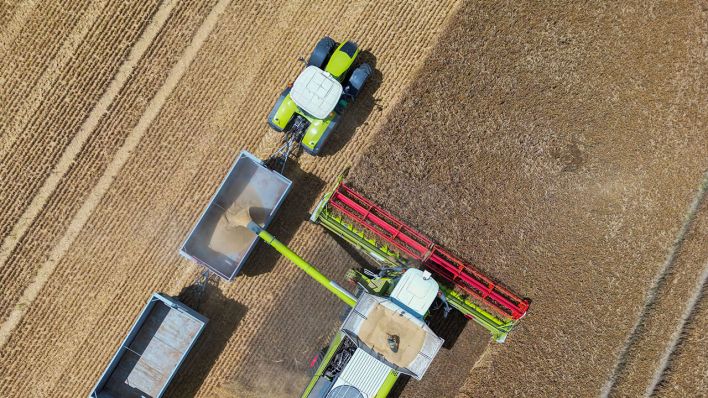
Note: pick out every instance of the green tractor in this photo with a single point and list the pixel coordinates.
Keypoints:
(310, 108)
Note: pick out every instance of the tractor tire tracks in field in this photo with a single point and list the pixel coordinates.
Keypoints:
(669, 303)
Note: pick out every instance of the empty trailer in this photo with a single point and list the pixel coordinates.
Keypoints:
(150, 355)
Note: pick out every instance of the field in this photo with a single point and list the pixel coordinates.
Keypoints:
(560, 148)
(577, 177)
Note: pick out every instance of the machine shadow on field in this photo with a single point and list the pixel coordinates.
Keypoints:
(291, 215)
(358, 111)
(224, 316)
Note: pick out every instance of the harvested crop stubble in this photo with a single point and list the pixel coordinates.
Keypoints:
(687, 372)
(558, 147)
(108, 234)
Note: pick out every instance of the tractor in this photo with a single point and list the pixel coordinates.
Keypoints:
(309, 109)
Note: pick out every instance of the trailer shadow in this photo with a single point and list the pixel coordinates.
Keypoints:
(293, 213)
(358, 111)
(224, 316)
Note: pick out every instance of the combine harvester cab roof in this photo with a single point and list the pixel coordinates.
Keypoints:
(375, 318)
(216, 242)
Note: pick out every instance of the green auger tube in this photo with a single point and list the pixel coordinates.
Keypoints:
(332, 286)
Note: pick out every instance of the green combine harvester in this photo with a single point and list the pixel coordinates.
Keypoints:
(383, 336)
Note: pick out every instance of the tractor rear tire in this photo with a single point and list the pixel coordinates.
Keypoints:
(322, 51)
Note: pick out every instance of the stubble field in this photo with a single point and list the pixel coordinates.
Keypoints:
(562, 149)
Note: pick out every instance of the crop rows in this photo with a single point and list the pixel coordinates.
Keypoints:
(106, 237)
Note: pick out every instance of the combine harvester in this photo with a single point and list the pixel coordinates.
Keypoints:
(385, 334)
(396, 247)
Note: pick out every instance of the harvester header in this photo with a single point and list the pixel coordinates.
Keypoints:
(392, 243)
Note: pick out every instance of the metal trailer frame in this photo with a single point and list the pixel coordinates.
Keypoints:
(101, 389)
(393, 243)
(193, 246)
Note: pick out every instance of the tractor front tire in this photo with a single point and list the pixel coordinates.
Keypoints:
(271, 116)
(322, 51)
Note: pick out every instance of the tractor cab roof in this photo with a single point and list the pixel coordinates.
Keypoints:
(316, 92)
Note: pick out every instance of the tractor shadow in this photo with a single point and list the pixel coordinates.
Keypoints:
(357, 112)
(292, 214)
(224, 316)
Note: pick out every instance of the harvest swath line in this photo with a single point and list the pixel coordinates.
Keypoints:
(676, 337)
(49, 80)
(77, 143)
(94, 198)
(12, 29)
(653, 294)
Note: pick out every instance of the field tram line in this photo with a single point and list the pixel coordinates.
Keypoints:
(84, 183)
(686, 357)
(89, 79)
(184, 68)
(660, 291)
(52, 121)
(76, 145)
(30, 290)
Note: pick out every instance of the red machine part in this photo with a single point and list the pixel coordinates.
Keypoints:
(417, 246)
